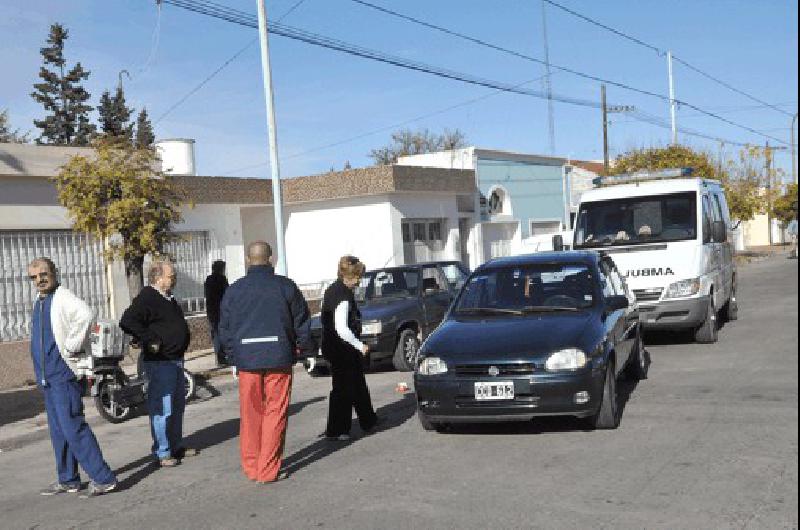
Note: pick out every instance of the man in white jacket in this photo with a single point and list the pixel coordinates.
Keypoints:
(59, 331)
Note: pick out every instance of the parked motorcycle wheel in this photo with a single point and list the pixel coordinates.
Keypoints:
(108, 409)
(190, 384)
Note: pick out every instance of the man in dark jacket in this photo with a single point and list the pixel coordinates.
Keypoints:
(156, 321)
(214, 287)
(264, 319)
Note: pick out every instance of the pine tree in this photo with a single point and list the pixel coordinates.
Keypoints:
(144, 130)
(115, 116)
(62, 95)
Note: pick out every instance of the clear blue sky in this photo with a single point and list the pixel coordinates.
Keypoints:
(323, 97)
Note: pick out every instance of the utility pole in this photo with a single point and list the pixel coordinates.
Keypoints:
(768, 164)
(605, 127)
(548, 84)
(606, 111)
(794, 150)
(277, 200)
(672, 104)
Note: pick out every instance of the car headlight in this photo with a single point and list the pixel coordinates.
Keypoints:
(432, 366)
(371, 328)
(683, 288)
(568, 359)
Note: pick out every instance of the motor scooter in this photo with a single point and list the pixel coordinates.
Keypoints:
(116, 394)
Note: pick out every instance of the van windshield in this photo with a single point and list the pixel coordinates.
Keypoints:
(637, 220)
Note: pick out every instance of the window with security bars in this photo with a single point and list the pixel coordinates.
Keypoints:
(423, 240)
(81, 268)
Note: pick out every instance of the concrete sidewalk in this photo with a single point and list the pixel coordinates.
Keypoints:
(23, 420)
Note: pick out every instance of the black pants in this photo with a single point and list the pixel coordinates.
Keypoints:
(222, 359)
(349, 391)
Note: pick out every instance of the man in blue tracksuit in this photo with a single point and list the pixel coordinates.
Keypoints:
(59, 330)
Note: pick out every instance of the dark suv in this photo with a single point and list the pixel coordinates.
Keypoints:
(400, 306)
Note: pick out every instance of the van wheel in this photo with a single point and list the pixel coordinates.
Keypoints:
(405, 353)
(708, 332)
(639, 361)
(731, 309)
(607, 416)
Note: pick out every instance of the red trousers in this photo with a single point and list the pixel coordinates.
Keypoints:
(263, 404)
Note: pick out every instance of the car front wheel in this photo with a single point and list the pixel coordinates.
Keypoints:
(427, 424)
(708, 332)
(406, 351)
(607, 416)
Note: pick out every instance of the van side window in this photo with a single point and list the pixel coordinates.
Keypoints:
(706, 220)
(721, 209)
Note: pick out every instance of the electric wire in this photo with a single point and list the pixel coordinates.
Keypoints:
(219, 69)
(245, 19)
(584, 75)
(661, 52)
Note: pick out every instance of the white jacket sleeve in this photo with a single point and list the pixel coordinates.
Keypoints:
(78, 318)
(342, 329)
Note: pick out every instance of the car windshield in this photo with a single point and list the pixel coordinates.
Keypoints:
(637, 220)
(391, 283)
(526, 289)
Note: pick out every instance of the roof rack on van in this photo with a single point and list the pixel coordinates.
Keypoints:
(642, 176)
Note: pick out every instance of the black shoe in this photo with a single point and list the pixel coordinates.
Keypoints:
(379, 422)
(185, 452)
(95, 489)
(57, 487)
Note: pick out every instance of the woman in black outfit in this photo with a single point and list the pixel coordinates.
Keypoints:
(341, 329)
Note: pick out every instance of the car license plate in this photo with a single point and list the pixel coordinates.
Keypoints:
(494, 390)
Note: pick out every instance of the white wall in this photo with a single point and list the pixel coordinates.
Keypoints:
(319, 233)
(224, 224)
(414, 206)
(457, 159)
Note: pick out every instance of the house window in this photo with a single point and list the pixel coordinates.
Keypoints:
(406, 233)
(423, 240)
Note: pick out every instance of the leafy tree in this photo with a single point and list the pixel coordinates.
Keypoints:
(785, 206)
(62, 95)
(8, 135)
(406, 142)
(741, 181)
(115, 116)
(118, 196)
(144, 130)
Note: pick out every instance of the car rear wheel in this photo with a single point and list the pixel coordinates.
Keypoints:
(405, 354)
(708, 332)
(640, 360)
(607, 416)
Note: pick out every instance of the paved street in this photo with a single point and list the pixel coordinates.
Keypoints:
(709, 441)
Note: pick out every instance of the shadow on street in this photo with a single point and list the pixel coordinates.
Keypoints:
(393, 414)
(203, 439)
(20, 404)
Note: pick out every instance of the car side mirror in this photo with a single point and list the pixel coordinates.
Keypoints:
(720, 232)
(617, 302)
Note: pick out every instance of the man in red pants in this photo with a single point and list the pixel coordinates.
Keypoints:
(264, 318)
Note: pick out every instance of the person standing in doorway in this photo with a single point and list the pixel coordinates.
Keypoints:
(341, 346)
(156, 320)
(264, 319)
(59, 331)
(214, 287)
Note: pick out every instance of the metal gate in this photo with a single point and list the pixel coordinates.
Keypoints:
(193, 254)
(80, 264)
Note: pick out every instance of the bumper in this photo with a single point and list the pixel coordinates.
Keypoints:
(674, 314)
(380, 346)
(451, 399)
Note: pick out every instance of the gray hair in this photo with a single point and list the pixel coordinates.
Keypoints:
(156, 269)
(46, 261)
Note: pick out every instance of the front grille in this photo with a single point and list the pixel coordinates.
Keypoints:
(472, 370)
(648, 295)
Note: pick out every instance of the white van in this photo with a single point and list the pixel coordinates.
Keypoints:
(671, 237)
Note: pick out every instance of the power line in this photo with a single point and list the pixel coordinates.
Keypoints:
(623, 86)
(661, 52)
(219, 69)
(238, 17)
(384, 128)
(283, 30)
